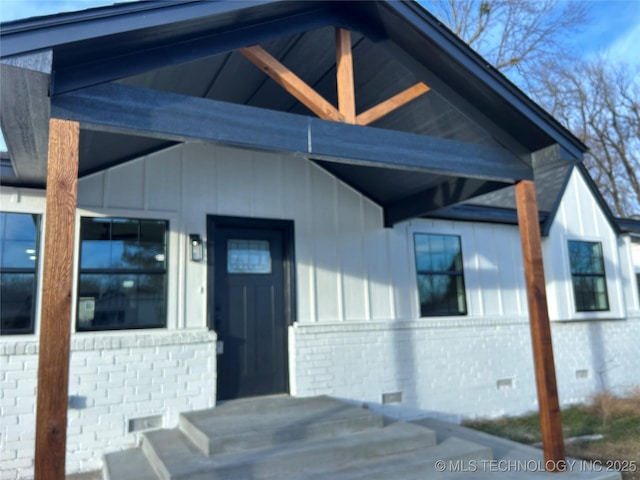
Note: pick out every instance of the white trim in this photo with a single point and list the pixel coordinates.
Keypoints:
(35, 204)
(613, 291)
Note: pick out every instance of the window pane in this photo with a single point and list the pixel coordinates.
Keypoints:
(440, 275)
(438, 253)
(122, 282)
(122, 244)
(248, 256)
(586, 258)
(18, 264)
(588, 276)
(18, 236)
(441, 295)
(119, 301)
(16, 302)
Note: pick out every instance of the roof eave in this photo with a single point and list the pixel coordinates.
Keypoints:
(479, 68)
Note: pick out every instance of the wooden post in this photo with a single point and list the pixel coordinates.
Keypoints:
(344, 76)
(550, 422)
(55, 321)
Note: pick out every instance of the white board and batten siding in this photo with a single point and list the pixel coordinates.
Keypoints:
(579, 217)
(492, 262)
(340, 246)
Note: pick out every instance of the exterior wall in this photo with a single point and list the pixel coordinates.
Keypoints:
(113, 378)
(579, 217)
(339, 242)
(358, 333)
(480, 364)
(119, 376)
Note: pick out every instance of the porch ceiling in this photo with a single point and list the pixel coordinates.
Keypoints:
(190, 49)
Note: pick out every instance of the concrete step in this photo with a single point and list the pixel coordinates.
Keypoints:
(456, 455)
(176, 457)
(265, 421)
(131, 464)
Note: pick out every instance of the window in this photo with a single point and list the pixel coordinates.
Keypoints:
(123, 274)
(248, 256)
(18, 271)
(588, 276)
(440, 275)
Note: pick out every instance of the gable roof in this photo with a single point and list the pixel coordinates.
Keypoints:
(189, 48)
(551, 183)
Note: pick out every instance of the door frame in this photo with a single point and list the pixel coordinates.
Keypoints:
(286, 227)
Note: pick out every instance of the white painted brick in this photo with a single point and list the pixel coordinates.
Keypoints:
(16, 409)
(8, 474)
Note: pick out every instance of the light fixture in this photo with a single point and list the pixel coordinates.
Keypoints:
(196, 247)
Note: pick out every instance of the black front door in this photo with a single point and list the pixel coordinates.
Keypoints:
(249, 309)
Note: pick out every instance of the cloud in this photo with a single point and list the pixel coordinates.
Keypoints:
(627, 48)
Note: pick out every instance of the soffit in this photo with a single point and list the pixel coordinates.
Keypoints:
(301, 36)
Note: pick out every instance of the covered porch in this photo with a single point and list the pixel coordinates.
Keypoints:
(391, 105)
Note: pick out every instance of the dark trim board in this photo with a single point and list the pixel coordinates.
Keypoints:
(123, 109)
(448, 193)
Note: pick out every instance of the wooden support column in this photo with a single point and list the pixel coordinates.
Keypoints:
(55, 321)
(344, 75)
(550, 422)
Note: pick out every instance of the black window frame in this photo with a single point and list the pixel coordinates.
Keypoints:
(453, 273)
(581, 297)
(26, 271)
(110, 271)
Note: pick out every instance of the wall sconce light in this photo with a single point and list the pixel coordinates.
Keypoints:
(196, 247)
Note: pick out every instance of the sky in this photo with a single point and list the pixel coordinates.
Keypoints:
(614, 29)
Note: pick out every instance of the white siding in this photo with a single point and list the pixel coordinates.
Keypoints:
(579, 217)
(493, 272)
(338, 232)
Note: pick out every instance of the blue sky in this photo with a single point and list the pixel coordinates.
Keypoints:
(614, 29)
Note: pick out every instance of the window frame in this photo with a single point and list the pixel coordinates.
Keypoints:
(602, 275)
(79, 271)
(36, 271)
(457, 274)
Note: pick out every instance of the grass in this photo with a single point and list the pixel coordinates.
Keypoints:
(617, 418)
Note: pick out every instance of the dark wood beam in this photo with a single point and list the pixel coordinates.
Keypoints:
(344, 75)
(548, 404)
(138, 111)
(292, 83)
(25, 93)
(440, 196)
(55, 319)
(384, 108)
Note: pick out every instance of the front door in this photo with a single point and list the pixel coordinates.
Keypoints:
(249, 307)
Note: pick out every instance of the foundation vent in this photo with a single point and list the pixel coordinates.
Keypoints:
(504, 383)
(392, 397)
(145, 423)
